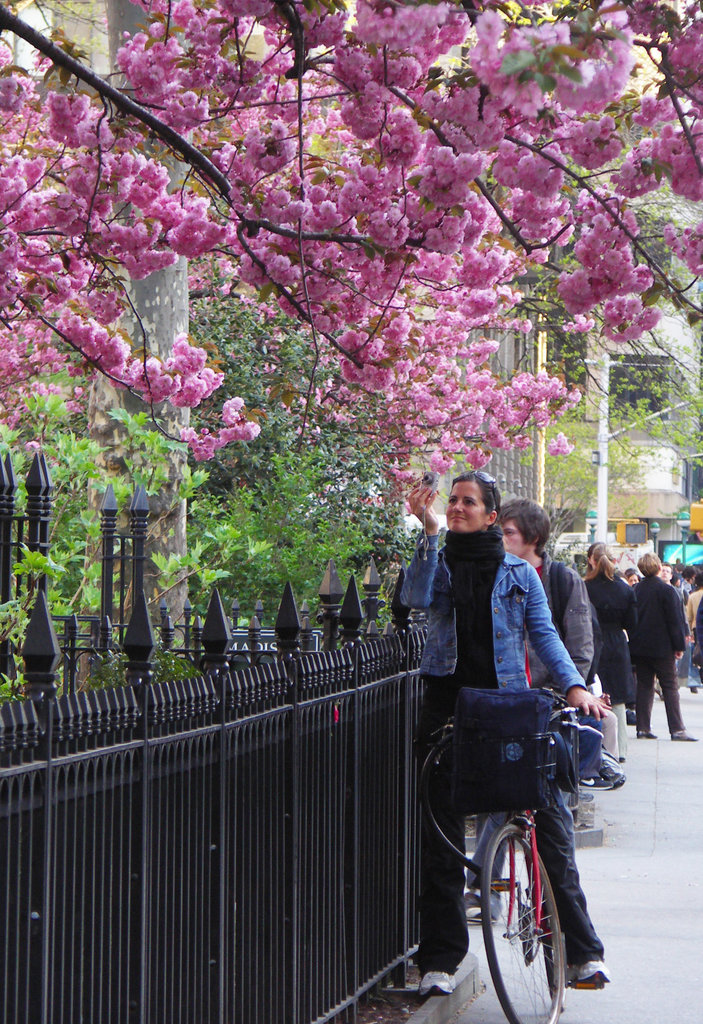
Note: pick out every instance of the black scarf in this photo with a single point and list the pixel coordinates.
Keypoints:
(473, 559)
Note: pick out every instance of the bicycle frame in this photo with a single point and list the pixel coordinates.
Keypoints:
(526, 821)
(525, 950)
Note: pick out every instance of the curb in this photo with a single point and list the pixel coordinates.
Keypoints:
(588, 830)
(441, 1009)
(589, 837)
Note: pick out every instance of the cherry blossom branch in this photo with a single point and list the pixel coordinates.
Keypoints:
(667, 72)
(190, 154)
(508, 224)
(104, 372)
(614, 217)
(291, 299)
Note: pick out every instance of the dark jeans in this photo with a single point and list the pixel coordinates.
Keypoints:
(555, 842)
(444, 936)
(665, 670)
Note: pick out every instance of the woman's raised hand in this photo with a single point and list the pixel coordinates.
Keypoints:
(420, 502)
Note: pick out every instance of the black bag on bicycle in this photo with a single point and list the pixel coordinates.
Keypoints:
(504, 755)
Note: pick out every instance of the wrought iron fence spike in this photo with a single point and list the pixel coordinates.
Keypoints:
(331, 588)
(216, 635)
(139, 636)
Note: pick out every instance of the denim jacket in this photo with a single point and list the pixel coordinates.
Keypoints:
(519, 604)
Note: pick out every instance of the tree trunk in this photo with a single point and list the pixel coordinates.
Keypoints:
(161, 312)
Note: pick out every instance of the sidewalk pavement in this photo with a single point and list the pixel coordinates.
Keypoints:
(645, 893)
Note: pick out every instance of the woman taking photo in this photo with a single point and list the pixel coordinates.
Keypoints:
(616, 606)
(481, 602)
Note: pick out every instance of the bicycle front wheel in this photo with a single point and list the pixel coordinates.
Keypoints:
(523, 943)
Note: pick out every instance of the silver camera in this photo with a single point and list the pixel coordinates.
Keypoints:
(430, 480)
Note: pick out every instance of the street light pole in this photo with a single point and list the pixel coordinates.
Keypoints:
(654, 529)
(591, 520)
(684, 521)
(603, 438)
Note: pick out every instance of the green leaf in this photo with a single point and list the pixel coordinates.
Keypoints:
(514, 63)
(573, 74)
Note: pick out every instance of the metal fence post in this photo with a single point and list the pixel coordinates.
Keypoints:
(372, 586)
(8, 490)
(400, 616)
(168, 633)
(70, 654)
(351, 616)
(39, 488)
(108, 528)
(217, 640)
(254, 640)
(138, 514)
(331, 594)
(288, 644)
(139, 648)
(41, 654)
(307, 637)
(351, 613)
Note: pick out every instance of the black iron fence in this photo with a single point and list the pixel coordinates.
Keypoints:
(239, 847)
(84, 639)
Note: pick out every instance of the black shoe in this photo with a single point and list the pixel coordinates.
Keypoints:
(610, 770)
(646, 735)
(684, 736)
(597, 783)
(615, 780)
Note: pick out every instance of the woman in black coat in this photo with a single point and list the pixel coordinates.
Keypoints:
(616, 606)
(655, 645)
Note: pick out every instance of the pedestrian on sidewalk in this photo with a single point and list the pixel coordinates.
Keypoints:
(482, 602)
(656, 644)
(695, 672)
(526, 529)
(616, 605)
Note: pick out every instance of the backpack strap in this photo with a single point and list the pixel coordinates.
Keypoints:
(558, 578)
(558, 581)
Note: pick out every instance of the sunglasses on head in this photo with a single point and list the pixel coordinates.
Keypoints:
(485, 478)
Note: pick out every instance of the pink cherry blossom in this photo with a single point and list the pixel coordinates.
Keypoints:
(393, 182)
(559, 445)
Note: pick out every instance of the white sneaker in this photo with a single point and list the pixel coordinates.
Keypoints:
(436, 983)
(592, 974)
(472, 903)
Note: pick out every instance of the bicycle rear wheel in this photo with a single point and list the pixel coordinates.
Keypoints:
(438, 760)
(526, 959)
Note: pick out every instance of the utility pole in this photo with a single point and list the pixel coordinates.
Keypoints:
(541, 431)
(603, 439)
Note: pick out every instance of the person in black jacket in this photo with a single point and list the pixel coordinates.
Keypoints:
(616, 606)
(655, 645)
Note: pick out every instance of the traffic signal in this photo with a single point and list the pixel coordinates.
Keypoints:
(631, 532)
(696, 517)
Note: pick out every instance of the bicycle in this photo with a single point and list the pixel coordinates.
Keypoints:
(519, 917)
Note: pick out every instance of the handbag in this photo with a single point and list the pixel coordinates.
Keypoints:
(504, 753)
(696, 656)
